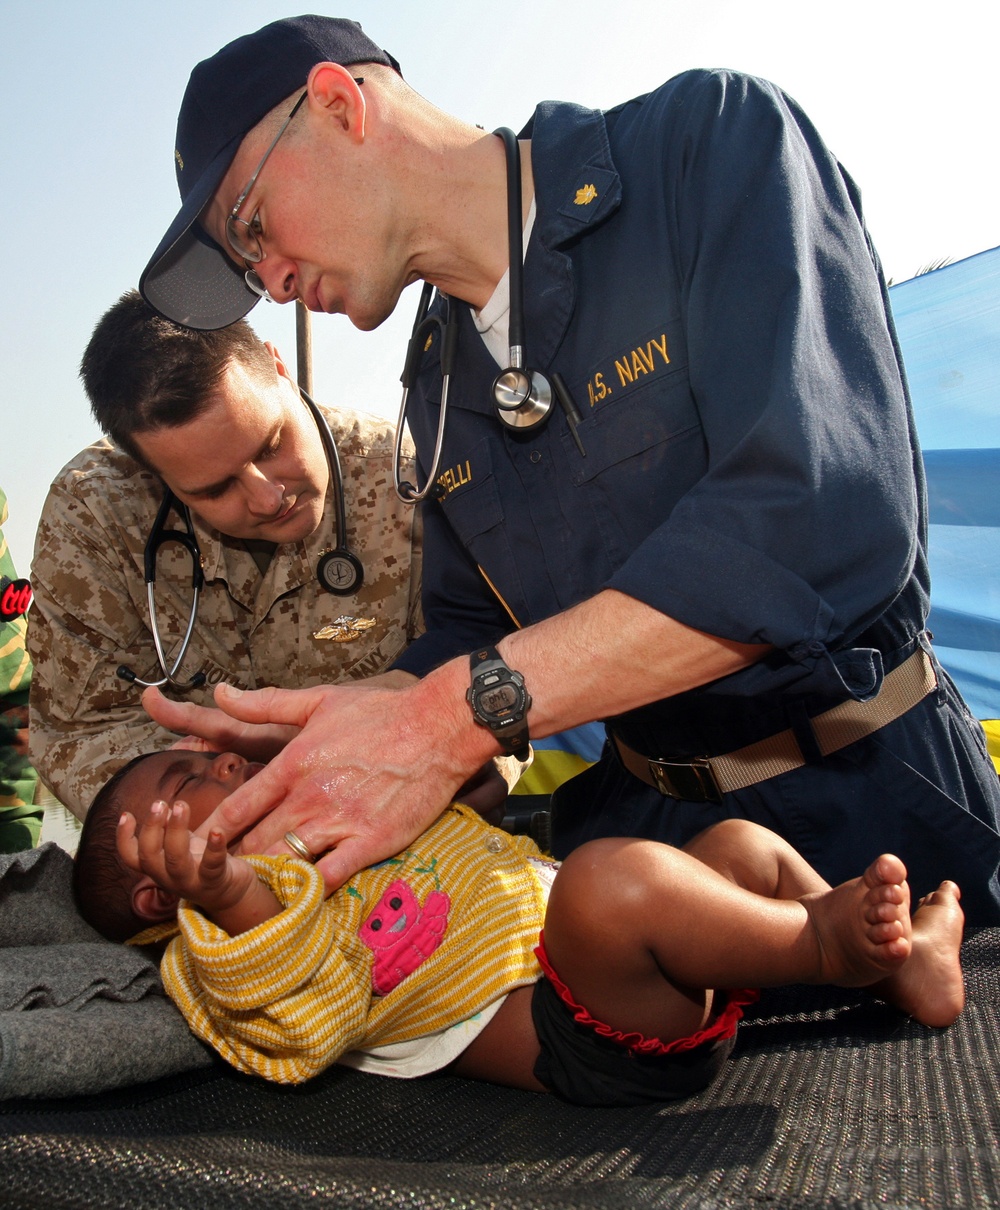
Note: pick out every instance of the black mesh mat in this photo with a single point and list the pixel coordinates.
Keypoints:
(831, 1100)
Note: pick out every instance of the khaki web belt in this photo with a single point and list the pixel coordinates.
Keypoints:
(707, 778)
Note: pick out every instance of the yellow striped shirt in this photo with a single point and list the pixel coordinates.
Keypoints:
(287, 998)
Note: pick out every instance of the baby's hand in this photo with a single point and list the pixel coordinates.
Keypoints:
(179, 862)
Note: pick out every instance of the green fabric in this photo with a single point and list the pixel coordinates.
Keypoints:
(20, 827)
(20, 819)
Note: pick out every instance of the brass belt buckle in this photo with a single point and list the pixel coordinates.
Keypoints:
(691, 780)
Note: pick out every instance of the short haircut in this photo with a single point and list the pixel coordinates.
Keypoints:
(143, 372)
(102, 882)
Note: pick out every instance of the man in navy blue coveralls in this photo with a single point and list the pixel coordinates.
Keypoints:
(738, 548)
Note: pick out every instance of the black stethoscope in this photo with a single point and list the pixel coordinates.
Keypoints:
(338, 571)
(522, 397)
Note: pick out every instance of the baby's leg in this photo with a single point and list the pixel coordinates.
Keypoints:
(929, 986)
(640, 932)
(756, 859)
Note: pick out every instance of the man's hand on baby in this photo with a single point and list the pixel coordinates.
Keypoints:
(186, 865)
(335, 786)
(208, 729)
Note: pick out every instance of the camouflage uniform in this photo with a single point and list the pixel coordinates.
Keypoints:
(20, 819)
(253, 629)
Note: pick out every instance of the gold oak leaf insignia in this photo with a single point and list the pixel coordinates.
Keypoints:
(585, 195)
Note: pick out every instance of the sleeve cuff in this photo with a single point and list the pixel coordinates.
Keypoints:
(275, 958)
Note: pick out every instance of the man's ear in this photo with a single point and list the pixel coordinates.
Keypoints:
(334, 91)
(150, 902)
(279, 361)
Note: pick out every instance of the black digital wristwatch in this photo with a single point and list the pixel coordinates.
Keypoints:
(499, 700)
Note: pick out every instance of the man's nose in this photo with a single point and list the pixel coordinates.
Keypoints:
(279, 275)
(264, 498)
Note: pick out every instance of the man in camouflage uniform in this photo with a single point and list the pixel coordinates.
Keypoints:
(20, 819)
(263, 617)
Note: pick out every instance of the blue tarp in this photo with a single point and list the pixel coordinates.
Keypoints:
(949, 329)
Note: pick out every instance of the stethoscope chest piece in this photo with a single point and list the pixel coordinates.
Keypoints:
(339, 571)
(523, 398)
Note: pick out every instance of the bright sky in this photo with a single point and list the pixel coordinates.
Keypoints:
(904, 93)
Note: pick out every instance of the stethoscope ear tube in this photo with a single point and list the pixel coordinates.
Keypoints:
(515, 245)
(415, 345)
(449, 341)
(422, 328)
(159, 535)
(339, 570)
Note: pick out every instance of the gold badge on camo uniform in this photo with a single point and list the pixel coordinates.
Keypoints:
(344, 629)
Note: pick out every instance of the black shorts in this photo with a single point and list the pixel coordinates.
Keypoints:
(579, 1065)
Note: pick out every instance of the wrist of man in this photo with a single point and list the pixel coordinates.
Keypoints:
(441, 703)
(499, 700)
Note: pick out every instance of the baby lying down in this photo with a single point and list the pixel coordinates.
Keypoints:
(615, 978)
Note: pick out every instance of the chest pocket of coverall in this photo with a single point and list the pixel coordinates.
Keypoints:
(644, 452)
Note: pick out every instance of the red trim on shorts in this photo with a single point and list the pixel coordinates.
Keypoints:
(722, 1026)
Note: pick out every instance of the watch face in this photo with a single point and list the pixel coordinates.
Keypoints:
(498, 700)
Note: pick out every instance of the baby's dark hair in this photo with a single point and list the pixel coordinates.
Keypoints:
(102, 882)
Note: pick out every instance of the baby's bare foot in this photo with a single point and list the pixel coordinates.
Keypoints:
(863, 926)
(930, 986)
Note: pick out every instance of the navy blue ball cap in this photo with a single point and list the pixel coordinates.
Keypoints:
(189, 278)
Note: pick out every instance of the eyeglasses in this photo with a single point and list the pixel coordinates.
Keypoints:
(243, 238)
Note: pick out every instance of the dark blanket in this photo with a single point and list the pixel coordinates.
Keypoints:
(831, 1100)
(78, 1014)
